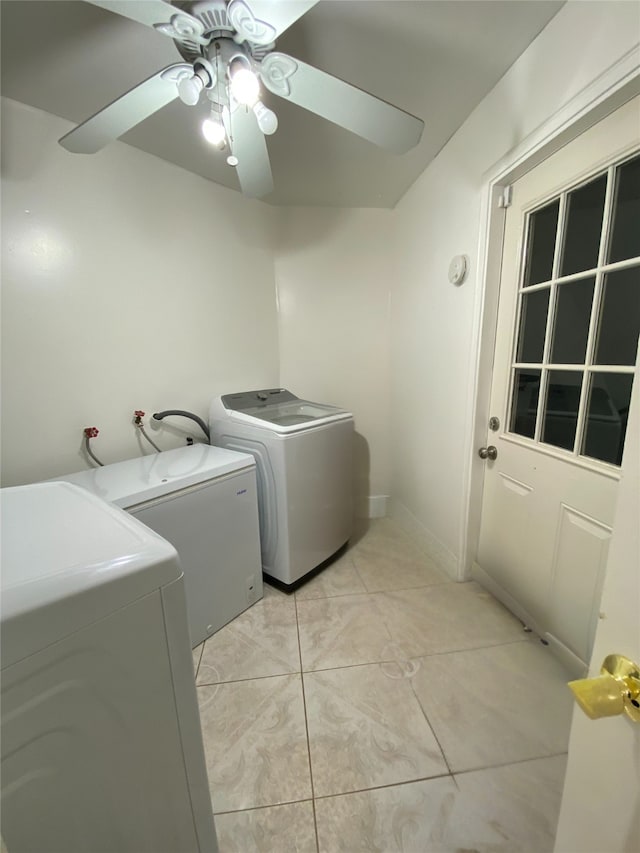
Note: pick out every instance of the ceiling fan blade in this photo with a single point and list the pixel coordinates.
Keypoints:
(126, 111)
(148, 12)
(167, 19)
(262, 21)
(343, 104)
(250, 147)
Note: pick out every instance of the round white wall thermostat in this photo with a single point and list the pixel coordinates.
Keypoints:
(458, 269)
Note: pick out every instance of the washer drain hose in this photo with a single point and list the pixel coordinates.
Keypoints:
(158, 416)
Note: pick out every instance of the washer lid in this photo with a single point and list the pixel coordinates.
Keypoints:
(280, 410)
(69, 559)
(146, 477)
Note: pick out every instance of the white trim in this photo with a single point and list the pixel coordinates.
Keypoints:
(436, 551)
(618, 84)
(372, 506)
(575, 667)
(378, 506)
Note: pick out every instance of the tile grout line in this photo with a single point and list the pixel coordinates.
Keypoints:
(433, 732)
(306, 726)
(263, 807)
(388, 785)
(197, 668)
(455, 773)
(451, 775)
(366, 591)
(455, 651)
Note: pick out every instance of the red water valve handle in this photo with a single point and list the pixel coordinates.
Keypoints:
(91, 432)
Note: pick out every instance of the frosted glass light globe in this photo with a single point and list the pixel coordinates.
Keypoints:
(213, 131)
(189, 89)
(245, 86)
(267, 119)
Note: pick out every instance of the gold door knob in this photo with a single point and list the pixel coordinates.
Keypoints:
(615, 691)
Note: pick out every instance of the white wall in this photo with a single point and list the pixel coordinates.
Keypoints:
(333, 272)
(127, 283)
(432, 323)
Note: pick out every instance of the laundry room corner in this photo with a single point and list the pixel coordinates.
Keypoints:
(128, 284)
(333, 273)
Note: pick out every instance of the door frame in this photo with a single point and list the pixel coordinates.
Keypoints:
(602, 96)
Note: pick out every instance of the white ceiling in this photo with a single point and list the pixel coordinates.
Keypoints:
(436, 60)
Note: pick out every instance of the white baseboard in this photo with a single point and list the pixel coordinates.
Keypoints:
(372, 506)
(438, 552)
(378, 506)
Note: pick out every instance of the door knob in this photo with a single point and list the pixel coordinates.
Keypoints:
(615, 691)
(490, 452)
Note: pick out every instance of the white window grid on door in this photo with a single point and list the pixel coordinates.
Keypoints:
(587, 369)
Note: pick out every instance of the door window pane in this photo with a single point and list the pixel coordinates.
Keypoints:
(584, 226)
(625, 240)
(561, 408)
(619, 323)
(571, 326)
(533, 323)
(607, 413)
(542, 240)
(526, 389)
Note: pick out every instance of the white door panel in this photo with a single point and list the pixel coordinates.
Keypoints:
(577, 573)
(601, 800)
(549, 496)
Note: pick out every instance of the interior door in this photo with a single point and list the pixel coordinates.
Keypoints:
(564, 366)
(601, 800)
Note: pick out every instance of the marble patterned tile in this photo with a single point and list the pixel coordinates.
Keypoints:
(270, 592)
(339, 578)
(260, 642)
(255, 742)
(288, 829)
(515, 807)
(387, 558)
(341, 631)
(502, 810)
(446, 617)
(400, 569)
(366, 729)
(386, 534)
(496, 705)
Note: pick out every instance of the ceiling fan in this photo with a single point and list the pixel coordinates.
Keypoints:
(227, 50)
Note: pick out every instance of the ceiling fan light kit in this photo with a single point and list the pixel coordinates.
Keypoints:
(244, 85)
(213, 131)
(227, 50)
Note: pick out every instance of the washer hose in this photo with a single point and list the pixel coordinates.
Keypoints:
(158, 416)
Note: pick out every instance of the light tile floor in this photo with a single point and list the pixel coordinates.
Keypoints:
(382, 708)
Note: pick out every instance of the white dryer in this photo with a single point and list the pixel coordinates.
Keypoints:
(101, 741)
(303, 453)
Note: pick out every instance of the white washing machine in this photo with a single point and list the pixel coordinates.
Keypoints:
(203, 500)
(101, 741)
(303, 454)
